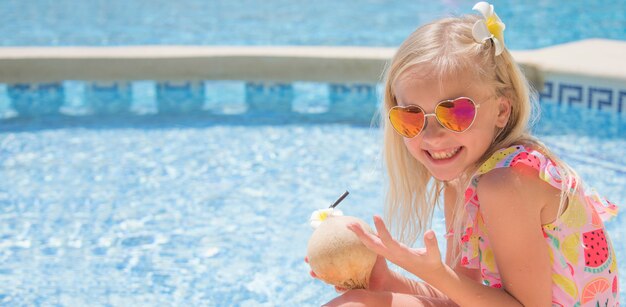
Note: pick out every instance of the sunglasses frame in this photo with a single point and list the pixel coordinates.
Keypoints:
(476, 107)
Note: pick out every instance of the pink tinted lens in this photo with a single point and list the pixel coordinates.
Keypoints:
(456, 115)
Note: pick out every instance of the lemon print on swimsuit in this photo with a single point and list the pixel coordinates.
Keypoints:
(489, 259)
(613, 267)
(575, 216)
(495, 159)
(566, 284)
(570, 247)
(335, 253)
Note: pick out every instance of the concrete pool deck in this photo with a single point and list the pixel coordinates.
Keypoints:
(589, 73)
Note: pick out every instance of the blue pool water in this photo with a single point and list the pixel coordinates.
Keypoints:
(290, 22)
(188, 211)
(148, 208)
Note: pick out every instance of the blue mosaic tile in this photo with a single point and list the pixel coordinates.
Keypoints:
(570, 93)
(621, 100)
(602, 98)
(269, 97)
(180, 97)
(353, 100)
(109, 98)
(548, 92)
(37, 98)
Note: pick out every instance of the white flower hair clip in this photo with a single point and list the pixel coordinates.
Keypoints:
(489, 28)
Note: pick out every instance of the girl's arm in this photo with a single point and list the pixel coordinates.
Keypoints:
(511, 204)
(397, 283)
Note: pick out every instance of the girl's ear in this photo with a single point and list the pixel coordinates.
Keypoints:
(504, 112)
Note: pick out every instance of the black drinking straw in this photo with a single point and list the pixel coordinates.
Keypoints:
(339, 199)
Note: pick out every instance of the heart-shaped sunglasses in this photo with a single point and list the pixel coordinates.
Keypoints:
(455, 115)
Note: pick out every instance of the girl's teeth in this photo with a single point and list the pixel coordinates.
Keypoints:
(444, 155)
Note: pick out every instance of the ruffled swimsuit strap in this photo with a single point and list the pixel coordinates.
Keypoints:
(520, 155)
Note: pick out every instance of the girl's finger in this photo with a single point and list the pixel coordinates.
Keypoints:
(340, 289)
(383, 233)
(360, 232)
(430, 242)
(370, 241)
(385, 236)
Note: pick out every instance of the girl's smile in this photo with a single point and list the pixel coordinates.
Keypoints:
(443, 155)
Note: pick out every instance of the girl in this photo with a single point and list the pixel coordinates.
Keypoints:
(521, 230)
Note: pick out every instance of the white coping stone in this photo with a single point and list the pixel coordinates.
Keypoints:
(324, 64)
(594, 58)
(597, 58)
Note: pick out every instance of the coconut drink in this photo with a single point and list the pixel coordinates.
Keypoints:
(335, 253)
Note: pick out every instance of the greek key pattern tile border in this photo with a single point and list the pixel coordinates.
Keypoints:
(586, 96)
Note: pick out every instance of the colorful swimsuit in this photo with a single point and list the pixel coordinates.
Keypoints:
(584, 267)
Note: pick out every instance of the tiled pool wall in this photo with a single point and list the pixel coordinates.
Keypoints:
(342, 101)
(584, 92)
(334, 101)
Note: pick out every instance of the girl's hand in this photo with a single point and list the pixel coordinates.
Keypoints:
(422, 262)
(338, 289)
(378, 277)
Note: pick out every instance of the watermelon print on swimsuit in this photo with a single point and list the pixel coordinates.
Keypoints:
(596, 251)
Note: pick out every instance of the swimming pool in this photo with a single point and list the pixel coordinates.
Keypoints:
(153, 208)
(184, 210)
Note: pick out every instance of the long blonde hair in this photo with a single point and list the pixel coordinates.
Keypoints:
(444, 48)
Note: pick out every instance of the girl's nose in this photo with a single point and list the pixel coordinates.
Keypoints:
(432, 128)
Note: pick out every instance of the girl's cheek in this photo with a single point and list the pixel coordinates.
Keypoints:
(413, 145)
(410, 143)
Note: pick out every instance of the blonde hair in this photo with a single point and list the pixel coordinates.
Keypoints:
(445, 48)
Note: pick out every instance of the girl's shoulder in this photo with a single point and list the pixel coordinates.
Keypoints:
(515, 178)
(521, 158)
